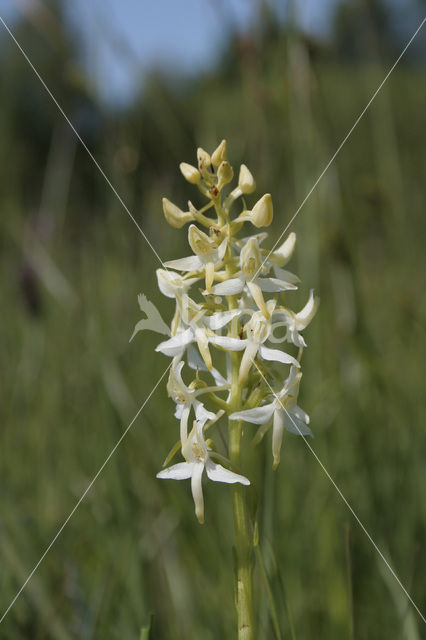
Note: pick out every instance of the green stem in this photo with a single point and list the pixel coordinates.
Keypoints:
(243, 538)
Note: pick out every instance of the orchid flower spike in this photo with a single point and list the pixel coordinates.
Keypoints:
(229, 296)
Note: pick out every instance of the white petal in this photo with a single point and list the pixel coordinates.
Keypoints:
(171, 283)
(220, 319)
(271, 285)
(202, 414)
(259, 415)
(197, 490)
(180, 471)
(296, 338)
(191, 263)
(184, 422)
(233, 344)
(277, 435)
(247, 360)
(257, 295)
(277, 356)
(229, 287)
(173, 347)
(304, 316)
(284, 252)
(296, 426)
(287, 276)
(222, 248)
(217, 473)
(300, 414)
(179, 409)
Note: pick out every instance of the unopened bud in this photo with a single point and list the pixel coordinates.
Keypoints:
(204, 160)
(199, 242)
(225, 173)
(219, 154)
(245, 180)
(262, 212)
(190, 173)
(175, 216)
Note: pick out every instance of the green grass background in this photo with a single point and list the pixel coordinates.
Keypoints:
(72, 264)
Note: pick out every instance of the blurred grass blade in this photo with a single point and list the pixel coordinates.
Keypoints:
(145, 631)
(269, 595)
(409, 630)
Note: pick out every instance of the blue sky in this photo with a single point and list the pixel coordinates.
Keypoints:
(123, 39)
(120, 40)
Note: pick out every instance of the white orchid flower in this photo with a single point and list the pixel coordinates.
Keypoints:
(207, 255)
(258, 329)
(250, 263)
(199, 328)
(296, 322)
(197, 456)
(185, 398)
(172, 284)
(284, 413)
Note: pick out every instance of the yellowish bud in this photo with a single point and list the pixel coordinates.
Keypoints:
(204, 160)
(245, 180)
(175, 216)
(190, 173)
(225, 173)
(199, 242)
(219, 154)
(262, 212)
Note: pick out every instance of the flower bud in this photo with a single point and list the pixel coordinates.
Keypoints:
(199, 242)
(225, 174)
(250, 260)
(175, 216)
(245, 180)
(262, 212)
(190, 173)
(219, 155)
(204, 160)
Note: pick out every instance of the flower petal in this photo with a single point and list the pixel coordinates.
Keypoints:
(191, 263)
(202, 414)
(179, 409)
(229, 287)
(277, 435)
(217, 473)
(296, 426)
(271, 285)
(222, 248)
(306, 314)
(300, 414)
(180, 471)
(233, 344)
(247, 360)
(277, 356)
(174, 346)
(184, 422)
(197, 490)
(259, 415)
(220, 319)
(287, 276)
